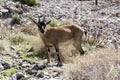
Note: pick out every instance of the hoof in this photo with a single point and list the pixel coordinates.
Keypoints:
(59, 64)
(82, 53)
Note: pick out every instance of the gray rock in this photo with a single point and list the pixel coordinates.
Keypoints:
(118, 32)
(25, 65)
(29, 54)
(4, 10)
(31, 72)
(17, 76)
(1, 67)
(39, 67)
(40, 75)
(5, 65)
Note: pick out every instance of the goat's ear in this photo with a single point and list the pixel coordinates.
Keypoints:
(85, 32)
(48, 22)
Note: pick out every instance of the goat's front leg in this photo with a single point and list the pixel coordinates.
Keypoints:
(48, 55)
(58, 55)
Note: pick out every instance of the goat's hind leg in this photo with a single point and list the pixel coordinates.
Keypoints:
(58, 55)
(77, 44)
(78, 47)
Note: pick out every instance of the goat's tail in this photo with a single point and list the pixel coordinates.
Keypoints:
(85, 32)
(84, 38)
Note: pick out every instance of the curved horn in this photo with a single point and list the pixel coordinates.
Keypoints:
(43, 18)
(33, 20)
(39, 17)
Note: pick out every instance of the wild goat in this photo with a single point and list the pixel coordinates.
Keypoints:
(55, 35)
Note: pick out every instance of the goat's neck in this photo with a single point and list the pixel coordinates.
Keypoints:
(43, 38)
(41, 35)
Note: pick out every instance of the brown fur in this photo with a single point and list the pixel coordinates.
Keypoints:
(54, 35)
(62, 33)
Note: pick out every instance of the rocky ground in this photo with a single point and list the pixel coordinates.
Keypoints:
(105, 17)
(102, 20)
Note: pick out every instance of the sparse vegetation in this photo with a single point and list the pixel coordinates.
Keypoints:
(53, 23)
(23, 53)
(18, 5)
(1, 1)
(22, 38)
(3, 45)
(30, 15)
(17, 39)
(29, 2)
(92, 41)
(8, 72)
(103, 65)
(29, 29)
(4, 32)
(15, 19)
(81, 65)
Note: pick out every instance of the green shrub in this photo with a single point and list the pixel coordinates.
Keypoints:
(15, 19)
(1, 1)
(30, 15)
(29, 2)
(8, 71)
(17, 39)
(18, 5)
(54, 23)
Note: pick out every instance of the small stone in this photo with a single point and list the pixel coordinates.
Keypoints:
(25, 65)
(17, 76)
(118, 32)
(29, 71)
(38, 67)
(30, 54)
(3, 10)
(5, 65)
(40, 75)
(12, 48)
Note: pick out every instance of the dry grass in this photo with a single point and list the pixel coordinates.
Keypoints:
(24, 36)
(103, 64)
(29, 29)
(4, 45)
(17, 39)
(98, 64)
(4, 33)
(114, 0)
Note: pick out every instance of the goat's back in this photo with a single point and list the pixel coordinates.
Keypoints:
(62, 33)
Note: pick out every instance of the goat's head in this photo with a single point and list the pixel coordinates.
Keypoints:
(41, 23)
